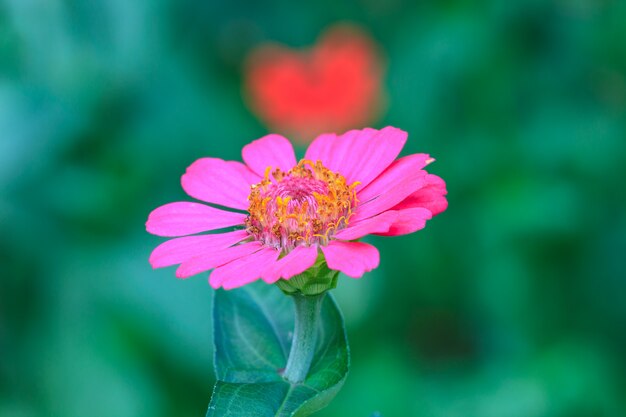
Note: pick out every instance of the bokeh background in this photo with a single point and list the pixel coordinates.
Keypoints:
(511, 303)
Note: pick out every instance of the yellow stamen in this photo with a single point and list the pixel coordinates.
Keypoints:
(304, 205)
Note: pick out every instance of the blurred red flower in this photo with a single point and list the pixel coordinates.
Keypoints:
(335, 85)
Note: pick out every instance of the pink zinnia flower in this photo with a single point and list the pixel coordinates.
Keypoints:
(335, 85)
(345, 188)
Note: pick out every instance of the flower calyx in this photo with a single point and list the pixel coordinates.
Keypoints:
(314, 281)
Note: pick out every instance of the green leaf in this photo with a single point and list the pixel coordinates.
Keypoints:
(252, 326)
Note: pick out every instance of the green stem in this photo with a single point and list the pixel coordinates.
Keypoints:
(304, 336)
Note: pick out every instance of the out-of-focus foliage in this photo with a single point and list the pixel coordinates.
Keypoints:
(511, 303)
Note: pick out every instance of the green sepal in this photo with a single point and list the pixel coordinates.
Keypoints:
(314, 281)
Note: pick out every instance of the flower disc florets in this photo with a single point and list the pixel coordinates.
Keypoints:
(301, 207)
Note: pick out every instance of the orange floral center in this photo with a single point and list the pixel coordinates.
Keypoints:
(303, 206)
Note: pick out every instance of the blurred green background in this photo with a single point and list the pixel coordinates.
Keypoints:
(511, 303)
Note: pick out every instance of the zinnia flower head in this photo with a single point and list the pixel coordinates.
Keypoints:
(333, 86)
(345, 188)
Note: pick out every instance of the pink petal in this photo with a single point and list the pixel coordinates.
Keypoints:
(408, 221)
(359, 155)
(401, 179)
(396, 171)
(210, 260)
(295, 262)
(175, 251)
(242, 271)
(214, 180)
(431, 196)
(245, 172)
(184, 218)
(270, 150)
(352, 258)
(376, 224)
